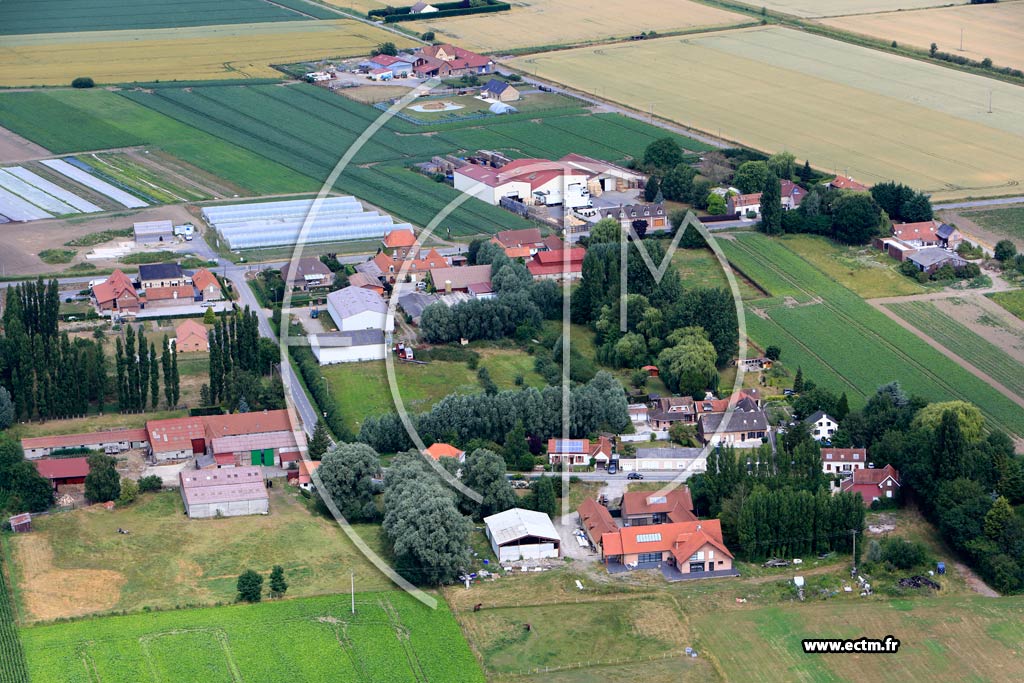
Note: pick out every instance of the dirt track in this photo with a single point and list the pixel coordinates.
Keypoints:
(14, 148)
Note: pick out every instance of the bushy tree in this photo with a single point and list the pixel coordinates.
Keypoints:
(249, 586)
(103, 483)
(1005, 250)
(278, 585)
(651, 189)
(129, 491)
(663, 154)
(751, 176)
(687, 366)
(484, 472)
(545, 499)
(969, 417)
(903, 554)
(677, 185)
(22, 488)
(347, 472)
(606, 230)
(151, 482)
(856, 218)
(782, 164)
(715, 204)
(83, 82)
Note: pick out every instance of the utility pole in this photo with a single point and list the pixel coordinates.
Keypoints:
(990, 101)
(961, 39)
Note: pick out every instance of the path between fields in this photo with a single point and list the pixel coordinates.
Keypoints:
(974, 582)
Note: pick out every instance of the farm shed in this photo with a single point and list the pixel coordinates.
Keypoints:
(113, 441)
(519, 534)
(355, 308)
(225, 493)
(348, 347)
(176, 438)
(266, 448)
(153, 232)
(245, 226)
(63, 471)
(21, 524)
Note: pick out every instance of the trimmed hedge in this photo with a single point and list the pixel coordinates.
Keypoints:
(445, 9)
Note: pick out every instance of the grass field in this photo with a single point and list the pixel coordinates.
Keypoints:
(983, 354)
(169, 560)
(867, 271)
(991, 31)
(842, 342)
(1008, 222)
(834, 8)
(361, 389)
(13, 668)
(1012, 301)
(104, 120)
(391, 638)
(874, 116)
(57, 16)
(562, 22)
(202, 53)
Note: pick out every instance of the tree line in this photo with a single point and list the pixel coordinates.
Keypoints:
(239, 358)
(138, 372)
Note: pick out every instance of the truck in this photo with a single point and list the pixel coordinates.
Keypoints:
(186, 230)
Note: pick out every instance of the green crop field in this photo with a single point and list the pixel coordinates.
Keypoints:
(1012, 301)
(874, 116)
(983, 354)
(12, 656)
(59, 16)
(1008, 222)
(867, 271)
(391, 638)
(362, 389)
(844, 343)
(104, 120)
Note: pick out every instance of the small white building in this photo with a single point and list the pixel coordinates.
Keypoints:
(652, 459)
(353, 346)
(230, 492)
(519, 534)
(357, 308)
(822, 427)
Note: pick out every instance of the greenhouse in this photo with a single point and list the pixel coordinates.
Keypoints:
(267, 224)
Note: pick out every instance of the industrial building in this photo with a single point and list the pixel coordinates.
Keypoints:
(248, 226)
(519, 534)
(348, 347)
(355, 308)
(154, 232)
(114, 441)
(260, 438)
(224, 493)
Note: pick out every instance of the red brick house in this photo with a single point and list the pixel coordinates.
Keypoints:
(573, 452)
(399, 242)
(643, 508)
(117, 293)
(563, 264)
(873, 484)
(694, 548)
(596, 521)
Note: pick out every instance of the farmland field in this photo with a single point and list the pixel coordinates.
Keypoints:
(842, 342)
(991, 31)
(873, 115)
(12, 656)
(866, 270)
(206, 52)
(57, 16)
(563, 22)
(1003, 223)
(1012, 301)
(361, 389)
(984, 355)
(100, 570)
(835, 8)
(391, 638)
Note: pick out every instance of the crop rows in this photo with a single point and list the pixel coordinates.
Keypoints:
(959, 339)
(12, 656)
(861, 344)
(753, 267)
(256, 643)
(59, 16)
(35, 115)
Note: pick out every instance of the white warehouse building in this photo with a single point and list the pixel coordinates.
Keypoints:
(355, 308)
(348, 347)
(228, 492)
(519, 534)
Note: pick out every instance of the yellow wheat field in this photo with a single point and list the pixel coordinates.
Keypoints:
(207, 52)
(845, 108)
(534, 23)
(993, 31)
(836, 8)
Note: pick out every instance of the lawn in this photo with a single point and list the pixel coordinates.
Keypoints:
(562, 22)
(58, 16)
(991, 31)
(104, 120)
(1012, 301)
(362, 389)
(390, 638)
(843, 343)
(981, 353)
(97, 423)
(701, 268)
(169, 560)
(869, 272)
(237, 51)
(1008, 222)
(875, 116)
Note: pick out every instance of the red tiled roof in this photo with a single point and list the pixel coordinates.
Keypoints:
(189, 328)
(871, 477)
(518, 238)
(80, 440)
(174, 434)
(399, 238)
(841, 183)
(596, 519)
(114, 286)
(62, 468)
(676, 503)
(676, 537)
(421, 262)
(443, 450)
(924, 231)
(247, 423)
(204, 279)
(183, 292)
(306, 469)
(551, 262)
(461, 277)
(747, 199)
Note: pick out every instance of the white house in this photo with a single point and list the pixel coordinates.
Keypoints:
(348, 347)
(823, 427)
(357, 308)
(519, 534)
(660, 459)
(843, 460)
(746, 205)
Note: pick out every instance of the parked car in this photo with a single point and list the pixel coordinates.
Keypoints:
(545, 88)
(777, 563)
(788, 392)
(634, 475)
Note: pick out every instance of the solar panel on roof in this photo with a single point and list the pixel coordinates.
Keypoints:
(648, 538)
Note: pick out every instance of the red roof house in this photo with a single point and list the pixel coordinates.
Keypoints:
(558, 264)
(117, 293)
(445, 450)
(694, 547)
(596, 521)
(873, 484)
(841, 183)
(645, 507)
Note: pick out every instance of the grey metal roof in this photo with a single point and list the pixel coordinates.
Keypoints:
(226, 485)
(413, 303)
(945, 230)
(930, 256)
(153, 228)
(663, 453)
(737, 421)
(352, 338)
(511, 525)
(817, 415)
(355, 300)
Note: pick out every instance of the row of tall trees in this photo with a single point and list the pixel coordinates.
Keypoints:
(138, 375)
(598, 405)
(236, 348)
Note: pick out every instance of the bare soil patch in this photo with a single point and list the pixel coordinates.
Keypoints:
(49, 592)
(989, 321)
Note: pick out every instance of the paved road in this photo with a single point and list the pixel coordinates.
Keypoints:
(980, 203)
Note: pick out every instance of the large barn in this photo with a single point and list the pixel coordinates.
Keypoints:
(224, 493)
(519, 534)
